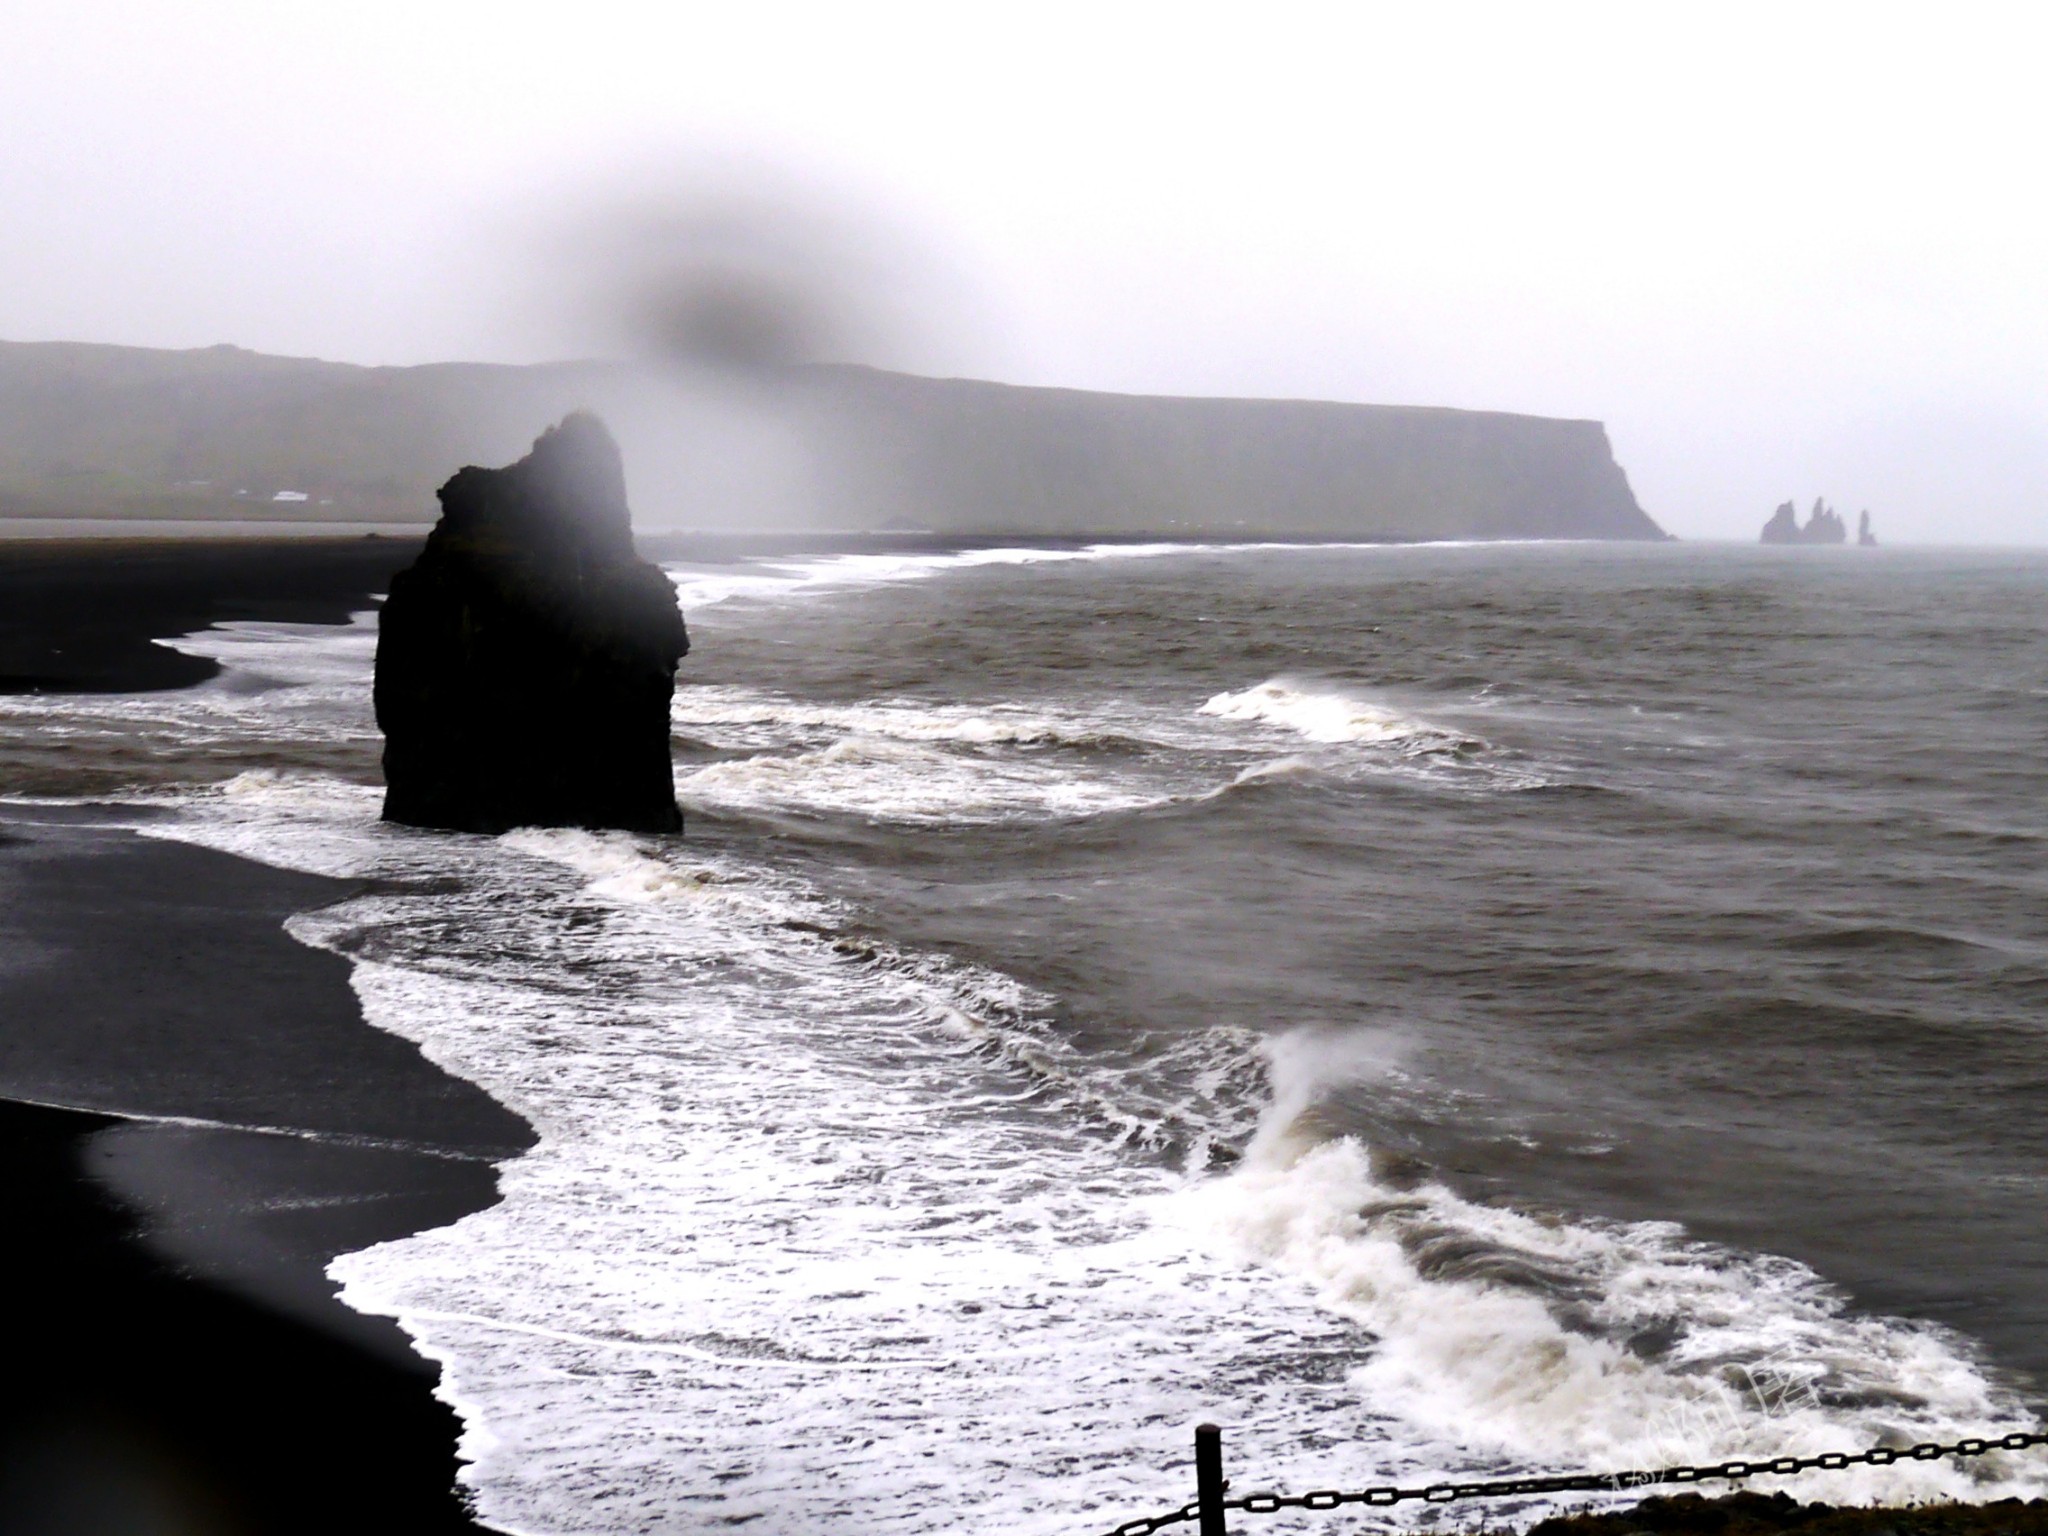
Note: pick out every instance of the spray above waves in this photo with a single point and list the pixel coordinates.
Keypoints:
(1572, 1342)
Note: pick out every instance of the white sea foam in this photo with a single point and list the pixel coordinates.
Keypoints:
(1329, 715)
(839, 1237)
(919, 761)
(884, 780)
(333, 658)
(778, 580)
(737, 717)
(283, 686)
(796, 1241)
(771, 579)
(1526, 1335)
(849, 1239)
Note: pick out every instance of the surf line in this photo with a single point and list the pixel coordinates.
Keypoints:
(661, 1347)
(294, 1133)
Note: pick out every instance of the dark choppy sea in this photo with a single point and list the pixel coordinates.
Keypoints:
(1435, 1010)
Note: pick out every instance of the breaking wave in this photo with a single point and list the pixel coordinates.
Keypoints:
(879, 779)
(831, 1233)
(748, 718)
(1323, 715)
(1578, 1343)
(788, 1171)
(699, 587)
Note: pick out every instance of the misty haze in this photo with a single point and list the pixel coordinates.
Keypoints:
(1054, 771)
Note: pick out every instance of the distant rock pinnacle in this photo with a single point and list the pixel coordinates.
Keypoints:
(1824, 525)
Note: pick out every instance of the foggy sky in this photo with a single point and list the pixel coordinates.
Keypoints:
(1780, 250)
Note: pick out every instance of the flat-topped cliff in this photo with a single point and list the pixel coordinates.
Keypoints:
(216, 433)
(959, 455)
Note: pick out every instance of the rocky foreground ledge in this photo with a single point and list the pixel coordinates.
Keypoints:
(1756, 1514)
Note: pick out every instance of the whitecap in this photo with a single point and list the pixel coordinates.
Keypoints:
(1571, 1342)
(902, 781)
(1329, 715)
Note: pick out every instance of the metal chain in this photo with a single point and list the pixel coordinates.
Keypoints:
(1145, 1527)
(1591, 1482)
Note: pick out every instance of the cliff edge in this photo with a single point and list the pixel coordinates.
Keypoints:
(964, 456)
(218, 434)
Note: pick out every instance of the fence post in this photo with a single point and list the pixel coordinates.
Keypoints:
(1209, 1483)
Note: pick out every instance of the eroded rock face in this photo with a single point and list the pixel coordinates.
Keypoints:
(1823, 526)
(526, 661)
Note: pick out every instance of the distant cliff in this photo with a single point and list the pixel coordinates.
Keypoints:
(959, 455)
(219, 433)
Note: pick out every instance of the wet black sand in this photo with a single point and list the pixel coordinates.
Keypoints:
(180, 1349)
(79, 615)
(153, 978)
(142, 1398)
(178, 1360)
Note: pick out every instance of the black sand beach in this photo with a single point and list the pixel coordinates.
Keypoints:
(144, 1397)
(185, 1365)
(189, 1348)
(79, 615)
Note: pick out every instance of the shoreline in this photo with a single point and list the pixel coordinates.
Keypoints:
(145, 1397)
(196, 1120)
(77, 616)
(217, 1239)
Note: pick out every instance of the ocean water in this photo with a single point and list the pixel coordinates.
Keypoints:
(1435, 1011)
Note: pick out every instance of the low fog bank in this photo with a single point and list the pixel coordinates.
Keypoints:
(99, 432)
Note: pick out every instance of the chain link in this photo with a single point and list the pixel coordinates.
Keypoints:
(1592, 1482)
(1145, 1527)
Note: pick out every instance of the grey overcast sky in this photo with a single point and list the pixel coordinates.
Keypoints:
(1781, 250)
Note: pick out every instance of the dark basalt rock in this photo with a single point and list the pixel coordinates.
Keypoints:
(1756, 1514)
(526, 661)
(1823, 526)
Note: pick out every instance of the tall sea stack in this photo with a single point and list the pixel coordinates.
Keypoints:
(1823, 526)
(526, 661)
